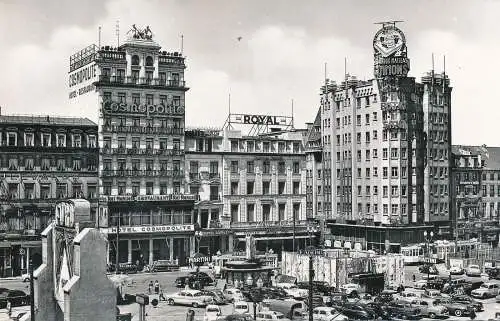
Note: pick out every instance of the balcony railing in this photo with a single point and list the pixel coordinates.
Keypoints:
(142, 151)
(141, 172)
(154, 82)
(269, 224)
(395, 124)
(143, 130)
(392, 106)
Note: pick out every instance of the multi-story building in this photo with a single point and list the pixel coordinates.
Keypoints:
(139, 93)
(476, 192)
(249, 184)
(437, 126)
(43, 159)
(374, 148)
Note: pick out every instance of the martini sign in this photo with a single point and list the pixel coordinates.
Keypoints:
(390, 56)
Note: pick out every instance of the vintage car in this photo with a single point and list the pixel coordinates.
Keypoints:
(486, 290)
(454, 308)
(193, 298)
(430, 310)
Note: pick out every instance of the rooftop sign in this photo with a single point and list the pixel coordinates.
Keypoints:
(149, 198)
(390, 54)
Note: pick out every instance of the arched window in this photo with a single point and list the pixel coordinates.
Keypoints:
(149, 61)
(135, 60)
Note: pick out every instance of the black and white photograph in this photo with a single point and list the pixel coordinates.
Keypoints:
(232, 160)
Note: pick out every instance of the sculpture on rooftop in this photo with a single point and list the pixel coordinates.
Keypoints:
(137, 33)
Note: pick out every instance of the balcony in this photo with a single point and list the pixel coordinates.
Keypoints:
(141, 172)
(392, 106)
(143, 130)
(141, 151)
(269, 224)
(142, 82)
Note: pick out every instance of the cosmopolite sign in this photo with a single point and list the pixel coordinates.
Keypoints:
(110, 107)
(150, 229)
(149, 198)
(86, 75)
(389, 45)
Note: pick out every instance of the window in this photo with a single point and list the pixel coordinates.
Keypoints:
(296, 167)
(149, 188)
(266, 212)
(358, 120)
(28, 164)
(92, 143)
(296, 147)
(384, 135)
(250, 167)
(234, 167)
(296, 211)
(77, 164)
(46, 140)
(265, 147)
(251, 213)
(136, 98)
(296, 188)
(135, 60)
(194, 189)
(367, 119)
(234, 213)
(250, 188)
(45, 191)
(367, 170)
(281, 212)
(367, 137)
(385, 209)
(384, 153)
(77, 141)
(29, 139)
(266, 187)
(403, 172)
(375, 190)
(374, 135)
(176, 144)
(394, 153)
(385, 172)
(12, 139)
(136, 187)
(120, 75)
(149, 97)
(394, 172)
(61, 164)
(375, 116)
(29, 190)
(234, 188)
(281, 168)
(266, 167)
(375, 153)
(375, 171)
(149, 164)
(13, 165)
(91, 191)
(394, 209)
(394, 191)
(107, 96)
(121, 188)
(281, 188)
(149, 61)
(358, 138)
(385, 191)
(367, 154)
(61, 190)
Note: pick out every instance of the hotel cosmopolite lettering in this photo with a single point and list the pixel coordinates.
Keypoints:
(85, 75)
(110, 107)
(151, 229)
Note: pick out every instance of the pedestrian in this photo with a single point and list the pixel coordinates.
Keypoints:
(161, 297)
(150, 287)
(157, 287)
(472, 314)
(414, 278)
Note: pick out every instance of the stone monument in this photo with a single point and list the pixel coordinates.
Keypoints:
(71, 284)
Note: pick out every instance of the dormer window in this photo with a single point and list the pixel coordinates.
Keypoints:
(149, 61)
(135, 60)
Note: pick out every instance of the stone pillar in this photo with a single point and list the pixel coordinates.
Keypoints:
(230, 245)
(150, 251)
(171, 247)
(129, 249)
(192, 245)
(199, 217)
(107, 251)
(209, 217)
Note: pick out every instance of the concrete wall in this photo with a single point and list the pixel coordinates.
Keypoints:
(89, 294)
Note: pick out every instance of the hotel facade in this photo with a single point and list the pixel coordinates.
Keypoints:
(385, 184)
(43, 160)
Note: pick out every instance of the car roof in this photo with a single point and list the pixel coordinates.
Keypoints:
(212, 306)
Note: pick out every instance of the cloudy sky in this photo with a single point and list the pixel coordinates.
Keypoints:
(281, 55)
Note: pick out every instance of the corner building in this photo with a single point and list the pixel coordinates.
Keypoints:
(374, 152)
(43, 160)
(139, 92)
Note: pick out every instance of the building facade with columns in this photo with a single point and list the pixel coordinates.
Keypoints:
(138, 93)
(43, 160)
(248, 184)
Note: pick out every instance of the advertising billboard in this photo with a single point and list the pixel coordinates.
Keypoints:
(390, 54)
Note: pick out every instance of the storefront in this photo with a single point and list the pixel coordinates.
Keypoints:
(146, 244)
(15, 255)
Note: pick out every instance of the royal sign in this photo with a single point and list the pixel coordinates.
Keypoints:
(260, 119)
(390, 55)
(150, 229)
(110, 107)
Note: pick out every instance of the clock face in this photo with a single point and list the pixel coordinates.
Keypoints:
(389, 41)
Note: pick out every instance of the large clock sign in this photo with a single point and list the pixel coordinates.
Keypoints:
(389, 46)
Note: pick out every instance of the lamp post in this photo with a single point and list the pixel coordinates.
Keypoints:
(198, 235)
(310, 230)
(428, 237)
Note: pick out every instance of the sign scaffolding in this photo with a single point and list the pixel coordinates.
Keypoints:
(260, 124)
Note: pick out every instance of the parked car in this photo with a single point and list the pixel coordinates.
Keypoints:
(233, 294)
(385, 296)
(217, 296)
(456, 270)
(318, 286)
(365, 298)
(351, 289)
(193, 298)
(467, 300)
(430, 310)
(242, 307)
(181, 281)
(16, 298)
(203, 277)
(486, 290)
(428, 269)
(25, 277)
(404, 310)
(212, 312)
(236, 317)
(293, 291)
(357, 312)
(327, 314)
(163, 266)
(473, 270)
(270, 315)
(405, 296)
(420, 284)
(431, 294)
(454, 308)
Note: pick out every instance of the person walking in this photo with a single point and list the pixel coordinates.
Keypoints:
(150, 287)
(161, 297)
(157, 287)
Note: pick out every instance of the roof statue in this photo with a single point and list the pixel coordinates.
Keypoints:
(137, 33)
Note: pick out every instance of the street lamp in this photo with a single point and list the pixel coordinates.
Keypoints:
(428, 238)
(310, 231)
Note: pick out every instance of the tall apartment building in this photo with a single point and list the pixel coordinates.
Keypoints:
(249, 183)
(476, 193)
(437, 172)
(43, 160)
(138, 91)
(374, 148)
